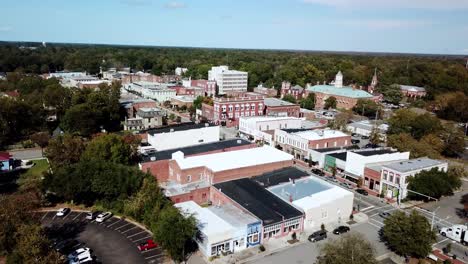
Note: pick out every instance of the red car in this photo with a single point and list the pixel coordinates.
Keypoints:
(149, 244)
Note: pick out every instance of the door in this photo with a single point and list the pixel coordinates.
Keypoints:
(371, 184)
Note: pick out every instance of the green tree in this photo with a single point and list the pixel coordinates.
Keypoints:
(64, 150)
(108, 147)
(173, 231)
(197, 103)
(349, 249)
(289, 98)
(366, 107)
(330, 102)
(454, 141)
(341, 120)
(41, 139)
(392, 93)
(417, 125)
(81, 119)
(309, 102)
(434, 183)
(374, 137)
(408, 235)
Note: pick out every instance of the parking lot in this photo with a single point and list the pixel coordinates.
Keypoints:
(112, 241)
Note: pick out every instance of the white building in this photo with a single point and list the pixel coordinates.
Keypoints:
(179, 71)
(256, 126)
(221, 229)
(395, 175)
(182, 135)
(228, 81)
(366, 127)
(66, 75)
(156, 91)
(322, 202)
(356, 161)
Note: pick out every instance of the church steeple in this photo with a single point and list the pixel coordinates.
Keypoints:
(374, 81)
(339, 80)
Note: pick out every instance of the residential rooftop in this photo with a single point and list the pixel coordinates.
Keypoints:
(178, 127)
(233, 159)
(319, 134)
(257, 200)
(196, 149)
(280, 176)
(414, 164)
(344, 91)
(276, 102)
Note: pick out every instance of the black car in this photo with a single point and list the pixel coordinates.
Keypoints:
(364, 137)
(384, 215)
(369, 145)
(341, 230)
(362, 191)
(318, 172)
(355, 141)
(355, 135)
(317, 236)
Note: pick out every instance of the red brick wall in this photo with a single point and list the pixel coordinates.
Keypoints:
(340, 142)
(200, 196)
(292, 110)
(371, 174)
(246, 172)
(208, 112)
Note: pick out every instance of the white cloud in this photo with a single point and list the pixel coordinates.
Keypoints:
(175, 5)
(385, 23)
(5, 29)
(393, 4)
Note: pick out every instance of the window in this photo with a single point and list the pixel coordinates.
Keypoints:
(324, 214)
(385, 173)
(189, 178)
(397, 180)
(230, 108)
(252, 107)
(203, 196)
(391, 177)
(178, 177)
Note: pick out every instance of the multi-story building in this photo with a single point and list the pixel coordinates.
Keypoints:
(413, 91)
(267, 92)
(365, 128)
(346, 97)
(228, 110)
(182, 100)
(191, 91)
(179, 71)
(209, 87)
(183, 135)
(295, 91)
(278, 107)
(160, 92)
(145, 118)
(228, 81)
(356, 160)
(299, 142)
(263, 127)
(132, 106)
(395, 175)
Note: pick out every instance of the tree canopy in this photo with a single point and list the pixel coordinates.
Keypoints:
(110, 147)
(366, 107)
(349, 249)
(308, 102)
(434, 183)
(408, 235)
(392, 93)
(289, 98)
(330, 102)
(65, 150)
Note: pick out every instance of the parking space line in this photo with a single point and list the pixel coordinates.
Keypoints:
(155, 256)
(123, 226)
(149, 250)
(114, 223)
(129, 229)
(77, 216)
(141, 238)
(53, 218)
(44, 216)
(442, 241)
(66, 216)
(136, 234)
(367, 208)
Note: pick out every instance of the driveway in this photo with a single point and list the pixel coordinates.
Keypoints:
(27, 154)
(113, 241)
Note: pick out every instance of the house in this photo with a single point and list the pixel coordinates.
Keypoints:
(267, 92)
(346, 97)
(296, 91)
(157, 163)
(145, 118)
(182, 135)
(395, 175)
(6, 161)
(413, 91)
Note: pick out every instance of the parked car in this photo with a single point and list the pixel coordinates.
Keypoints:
(66, 246)
(355, 141)
(346, 185)
(149, 244)
(92, 215)
(364, 137)
(78, 252)
(341, 230)
(355, 135)
(103, 217)
(384, 215)
(319, 172)
(83, 258)
(317, 236)
(369, 145)
(362, 191)
(63, 212)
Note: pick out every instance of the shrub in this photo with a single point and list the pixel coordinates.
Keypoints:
(322, 226)
(351, 217)
(262, 248)
(294, 236)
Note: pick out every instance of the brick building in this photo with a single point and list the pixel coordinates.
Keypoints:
(267, 92)
(190, 91)
(278, 107)
(295, 91)
(209, 87)
(413, 91)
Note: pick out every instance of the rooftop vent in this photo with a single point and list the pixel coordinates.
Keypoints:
(153, 158)
(206, 124)
(239, 141)
(171, 130)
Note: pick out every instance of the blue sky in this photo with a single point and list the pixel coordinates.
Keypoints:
(417, 26)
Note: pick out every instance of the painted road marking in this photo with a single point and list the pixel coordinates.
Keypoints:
(123, 226)
(155, 256)
(114, 223)
(442, 241)
(44, 216)
(367, 208)
(141, 238)
(77, 216)
(129, 229)
(136, 234)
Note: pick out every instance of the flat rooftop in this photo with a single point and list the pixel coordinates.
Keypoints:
(294, 130)
(258, 201)
(233, 215)
(377, 166)
(319, 134)
(280, 176)
(298, 189)
(324, 150)
(368, 153)
(196, 149)
(340, 155)
(276, 102)
(178, 127)
(269, 118)
(414, 164)
(234, 159)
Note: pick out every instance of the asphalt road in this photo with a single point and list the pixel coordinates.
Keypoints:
(26, 154)
(113, 241)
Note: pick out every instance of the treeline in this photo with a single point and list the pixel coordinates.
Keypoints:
(437, 74)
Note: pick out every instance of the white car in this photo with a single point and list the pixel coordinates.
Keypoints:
(103, 217)
(82, 258)
(79, 252)
(62, 212)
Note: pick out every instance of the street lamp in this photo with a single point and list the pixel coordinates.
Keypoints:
(433, 216)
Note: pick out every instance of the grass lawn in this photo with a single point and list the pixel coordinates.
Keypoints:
(33, 176)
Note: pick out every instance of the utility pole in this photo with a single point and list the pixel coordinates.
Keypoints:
(433, 216)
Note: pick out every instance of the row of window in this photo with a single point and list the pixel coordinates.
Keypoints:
(391, 177)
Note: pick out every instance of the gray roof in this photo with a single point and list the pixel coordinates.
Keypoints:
(414, 164)
(276, 102)
(413, 88)
(233, 215)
